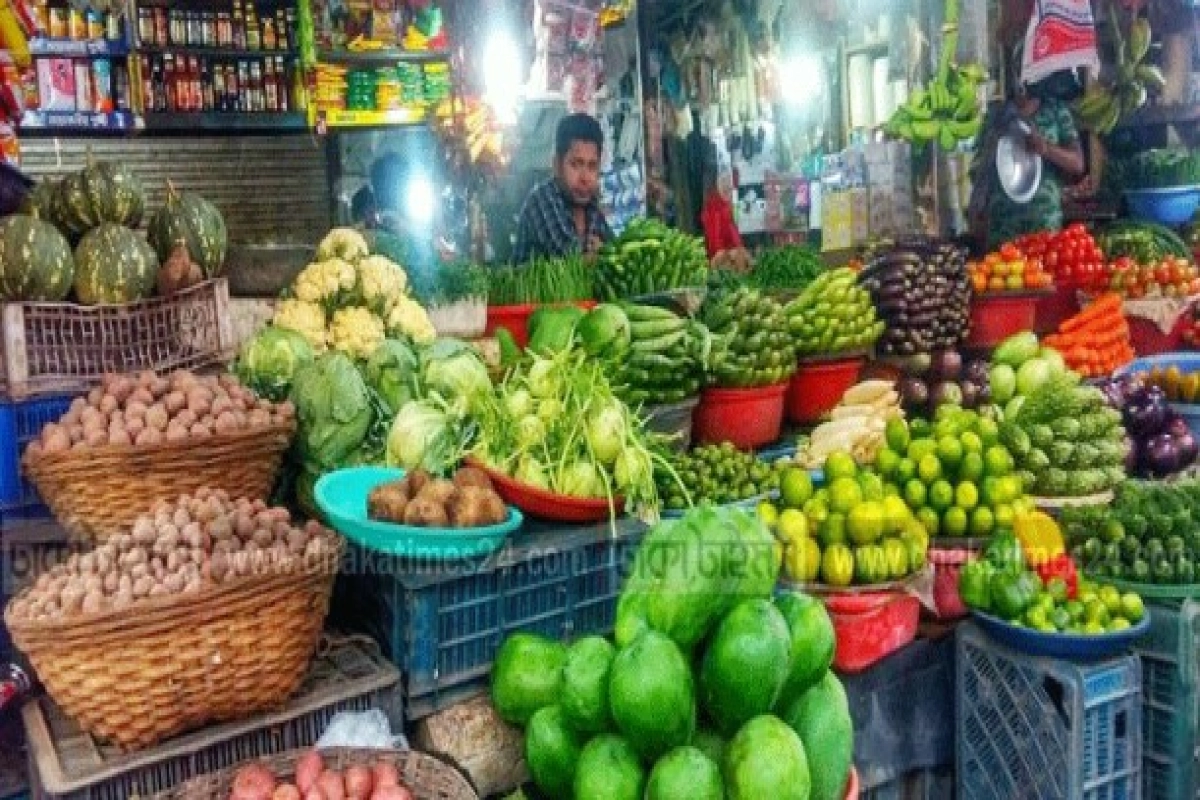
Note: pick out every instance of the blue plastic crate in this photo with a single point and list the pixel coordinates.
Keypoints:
(1045, 729)
(1171, 702)
(924, 784)
(20, 423)
(442, 624)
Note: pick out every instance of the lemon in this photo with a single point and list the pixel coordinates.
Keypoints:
(802, 560)
(895, 514)
(865, 522)
(768, 513)
(793, 525)
(795, 487)
(840, 465)
(844, 495)
(1132, 607)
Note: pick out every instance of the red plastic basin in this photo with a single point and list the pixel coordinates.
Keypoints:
(947, 565)
(817, 386)
(747, 418)
(996, 317)
(548, 505)
(1054, 309)
(516, 319)
(1148, 339)
(869, 627)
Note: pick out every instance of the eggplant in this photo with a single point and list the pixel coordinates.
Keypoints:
(1145, 412)
(1161, 456)
(1188, 448)
(914, 393)
(977, 371)
(947, 365)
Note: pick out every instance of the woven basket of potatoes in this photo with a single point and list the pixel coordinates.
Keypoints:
(207, 609)
(137, 439)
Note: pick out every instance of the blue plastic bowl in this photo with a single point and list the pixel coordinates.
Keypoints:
(1187, 364)
(1061, 645)
(342, 497)
(1175, 206)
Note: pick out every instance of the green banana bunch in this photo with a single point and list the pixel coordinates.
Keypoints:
(1103, 106)
(946, 112)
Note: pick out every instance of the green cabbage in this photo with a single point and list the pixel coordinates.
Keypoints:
(269, 360)
(333, 409)
(453, 370)
(427, 436)
(393, 371)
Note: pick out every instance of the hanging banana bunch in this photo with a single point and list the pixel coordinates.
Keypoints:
(1103, 106)
(947, 109)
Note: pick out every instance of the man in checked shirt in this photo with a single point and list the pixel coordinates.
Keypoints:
(562, 215)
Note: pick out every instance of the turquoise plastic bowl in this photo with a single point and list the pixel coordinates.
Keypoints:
(342, 497)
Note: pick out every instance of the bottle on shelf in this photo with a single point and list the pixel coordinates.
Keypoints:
(239, 26)
(253, 31)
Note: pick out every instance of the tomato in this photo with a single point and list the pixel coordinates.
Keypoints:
(1077, 228)
(1051, 260)
(1009, 253)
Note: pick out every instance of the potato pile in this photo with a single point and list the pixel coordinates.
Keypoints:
(199, 540)
(146, 409)
(313, 781)
(468, 500)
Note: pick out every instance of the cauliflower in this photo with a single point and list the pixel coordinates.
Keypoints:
(407, 318)
(355, 331)
(344, 243)
(324, 281)
(303, 317)
(383, 282)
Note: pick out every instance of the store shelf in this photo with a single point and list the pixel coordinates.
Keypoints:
(225, 121)
(51, 122)
(71, 48)
(1180, 114)
(369, 119)
(380, 57)
(214, 52)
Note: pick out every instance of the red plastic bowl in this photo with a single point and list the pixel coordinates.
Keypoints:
(947, 565)
(818, 386)
(869, 627)
(516, 319)
(548, 505)
(747, 418)
(996, 317)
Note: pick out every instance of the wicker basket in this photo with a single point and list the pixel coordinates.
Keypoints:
(98, 492)
(429, 778)
(179, 662)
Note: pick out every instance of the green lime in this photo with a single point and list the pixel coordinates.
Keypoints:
(844, 494)
(896, 434)
(971, 442)
(1003, 516)
(840, 465)
(941, 495)
(966, 495)
(896, 514)
(795, 487)
(832, 530)
(971, 468)
(930, 521)
(988, 430)
(871, 484)
(982, 521)
(1132, 607)
(997, 461)
(886, 462)
(950, 452)
(915, 494)
(865, 523)
(919, 428)
(919, 448)
(954, 522)
(929, 469)
(906, 470)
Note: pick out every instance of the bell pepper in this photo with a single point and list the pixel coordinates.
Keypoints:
(1004, 553)
(973, 585)
(1012, 593)
(1040, 536)
(1061, 567)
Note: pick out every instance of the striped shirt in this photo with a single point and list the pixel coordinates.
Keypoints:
(547, 226)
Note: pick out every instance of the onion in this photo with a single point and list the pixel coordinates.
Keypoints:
(385, 774)
(308, 769)
(359, 782)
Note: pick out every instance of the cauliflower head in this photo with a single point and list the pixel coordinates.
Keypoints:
(324, 281)
(355, 331)
(383, 282)
(344, 243)
(303, 317)
(407, 318)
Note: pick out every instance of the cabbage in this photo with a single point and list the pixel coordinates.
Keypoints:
(269, 360)
(425, 435)
(392, 371)
(333, 411)
(455, 372)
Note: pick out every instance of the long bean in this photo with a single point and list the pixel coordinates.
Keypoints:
(553, 280)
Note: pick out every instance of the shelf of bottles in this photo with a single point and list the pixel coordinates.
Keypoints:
(221, 65)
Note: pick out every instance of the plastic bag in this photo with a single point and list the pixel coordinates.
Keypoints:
(366, 729)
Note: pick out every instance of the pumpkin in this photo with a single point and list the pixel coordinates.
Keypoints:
(114, 265)
(35, 260)
(39, 201)
(100, 192)
(178, 272)
(197, 223)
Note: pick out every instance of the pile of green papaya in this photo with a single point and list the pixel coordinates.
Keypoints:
(665, 359)
(833, 315)
(753, 346)
(648, 257)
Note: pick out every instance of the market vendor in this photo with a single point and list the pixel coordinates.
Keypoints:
(562, 214)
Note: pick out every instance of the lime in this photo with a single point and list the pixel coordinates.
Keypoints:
(966, 495)
(997, 461)
(1060, 619)
(896, 514)
(886, 462)
(941, 495)
(1092, 628)
(768, 513)
(865, 523)
(1132, 607)
(929, 520)
(988, 430)
(870, 565)
(919, 448)
(792, 525)
(1035, 617)
(929, 469)
(1057, 588)
(919, 428)
(840, 465)
(844, 494)
(832, 530)
(891, 490)
(1003, 516)
(971, 442)
(1075, 609)
(1113, 531)
(896, 434)
(837, 565)
(982, 521)
(1010, 489)
(871, 484)
(954, 522)
(795, 487)
(1118, 624)
(895, 556)
(950, 452)
(906, 470)
(915, 494)
(802, 560)
(971, 468)
(1095, 611)
(1111, 597)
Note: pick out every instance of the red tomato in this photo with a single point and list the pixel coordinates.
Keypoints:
(1051, 260)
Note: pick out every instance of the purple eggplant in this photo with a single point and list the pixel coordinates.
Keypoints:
(1188, 449)
(1145, 412)
(1161, 455)
(914, 393)
(947, 365)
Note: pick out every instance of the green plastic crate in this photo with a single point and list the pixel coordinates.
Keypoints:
(1170, 655)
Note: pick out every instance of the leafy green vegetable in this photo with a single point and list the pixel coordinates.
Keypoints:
(428, 435)
(268, 362)
(393, 371)
(334, 411)
(604, 332)
(555, 280)
(452, 370)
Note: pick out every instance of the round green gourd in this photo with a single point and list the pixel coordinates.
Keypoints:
(100, 192)
(39, 201)
(114, 265)
(196, 222)
(35, 260)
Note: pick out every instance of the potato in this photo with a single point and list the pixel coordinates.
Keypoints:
(253, 782)
(93, 602)
(220, 405)
(157, 417)
(150, 436)
(95, 396)
(119, 437)
(308, 768)
(258, 419)
(227, 422)
(201, 431)
(108, 404)
(439, 491)
(96, 437)
(426, 512)
(141, 395)
(359, 782)
(55, 439)
(160, 387)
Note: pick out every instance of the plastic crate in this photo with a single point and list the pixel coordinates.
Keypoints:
(53, 348)
(924, 784)
(1045, 729)
(20, 423)
(65, 763)
(442, 624)
(1171, 702)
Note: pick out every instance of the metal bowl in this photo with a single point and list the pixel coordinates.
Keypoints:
(1020, 171)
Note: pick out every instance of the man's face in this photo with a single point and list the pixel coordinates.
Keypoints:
(579, 172)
